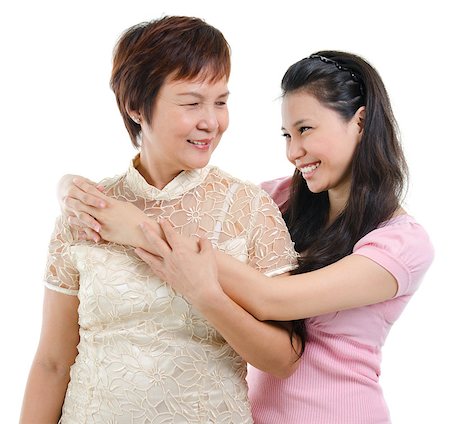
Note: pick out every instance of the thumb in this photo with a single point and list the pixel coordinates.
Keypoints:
(205, 245)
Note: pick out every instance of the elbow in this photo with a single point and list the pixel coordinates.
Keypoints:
(290, 365)
(59, 370)
(287, 370)
(260, 315)
(287, 367)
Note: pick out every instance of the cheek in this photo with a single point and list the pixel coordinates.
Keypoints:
(224, 120)
(288, 156)
(286, 150)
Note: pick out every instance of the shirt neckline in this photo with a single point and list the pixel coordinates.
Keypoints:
(182, 183)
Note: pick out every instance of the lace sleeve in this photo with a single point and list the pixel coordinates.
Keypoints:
(60, 274)
(270, 247)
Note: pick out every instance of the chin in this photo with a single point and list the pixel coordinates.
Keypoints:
(199, 163)
(315, 190)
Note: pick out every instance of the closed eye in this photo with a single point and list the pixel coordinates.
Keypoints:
(301, 130)
(286, 136)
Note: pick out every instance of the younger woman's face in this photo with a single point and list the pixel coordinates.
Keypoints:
(319, 142)
(188, 121)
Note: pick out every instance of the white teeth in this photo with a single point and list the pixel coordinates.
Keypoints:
(310, 168)
(198, 143)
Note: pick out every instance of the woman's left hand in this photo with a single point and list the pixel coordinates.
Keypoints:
(187, 265)
(75, 194)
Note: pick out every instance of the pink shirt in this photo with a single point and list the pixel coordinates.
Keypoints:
(337, 380)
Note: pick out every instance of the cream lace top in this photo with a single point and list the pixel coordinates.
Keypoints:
(145, 354)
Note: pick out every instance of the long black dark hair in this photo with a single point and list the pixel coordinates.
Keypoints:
(344, 82)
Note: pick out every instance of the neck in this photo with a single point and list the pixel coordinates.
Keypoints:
(338, 201)
(155, 174)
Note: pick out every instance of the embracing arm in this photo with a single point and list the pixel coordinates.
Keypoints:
(265, 345)
(351, 282)
(49, 374)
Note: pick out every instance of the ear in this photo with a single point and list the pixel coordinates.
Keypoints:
(359, 120)
(135, 116)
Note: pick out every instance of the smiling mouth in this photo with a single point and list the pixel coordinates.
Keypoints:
(305, 170)
(199, 142)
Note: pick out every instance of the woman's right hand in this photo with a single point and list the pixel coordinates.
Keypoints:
(188, 265)
(76, 195)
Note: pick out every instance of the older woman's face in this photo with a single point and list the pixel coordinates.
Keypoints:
(188, 121)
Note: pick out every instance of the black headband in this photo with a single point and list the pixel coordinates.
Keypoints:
(354, 76)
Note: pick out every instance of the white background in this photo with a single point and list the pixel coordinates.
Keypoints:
(58, 116)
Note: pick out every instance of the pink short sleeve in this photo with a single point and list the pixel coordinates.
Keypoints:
(402, 247)
(278, 190)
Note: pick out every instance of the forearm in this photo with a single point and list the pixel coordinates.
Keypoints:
(44, 394)
(57, 350)
(245, 285)
(351, 282)
(264, 345)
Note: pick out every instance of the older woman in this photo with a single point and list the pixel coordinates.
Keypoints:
(138, 352)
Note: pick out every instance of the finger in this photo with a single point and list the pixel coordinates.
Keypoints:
(74, 222)
(154, 262)
(205, 246)
(66, 205)
(89, 194)
(89, 221)
(92, 235)
(155, 244)
(172, 237)
(75, 225)
(82, 232)
(77, 193)
(84, 220)
(76, 207)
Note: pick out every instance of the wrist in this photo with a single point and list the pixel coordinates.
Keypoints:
(210, 299)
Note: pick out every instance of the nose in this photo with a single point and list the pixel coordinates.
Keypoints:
(294, 150)
(209, 121)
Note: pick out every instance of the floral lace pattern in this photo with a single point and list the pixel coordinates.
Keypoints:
(145, 354)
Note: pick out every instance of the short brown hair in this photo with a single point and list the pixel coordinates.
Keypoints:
(147, 53)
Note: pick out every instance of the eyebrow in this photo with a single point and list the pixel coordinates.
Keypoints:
(200, 96)
(299, 122)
